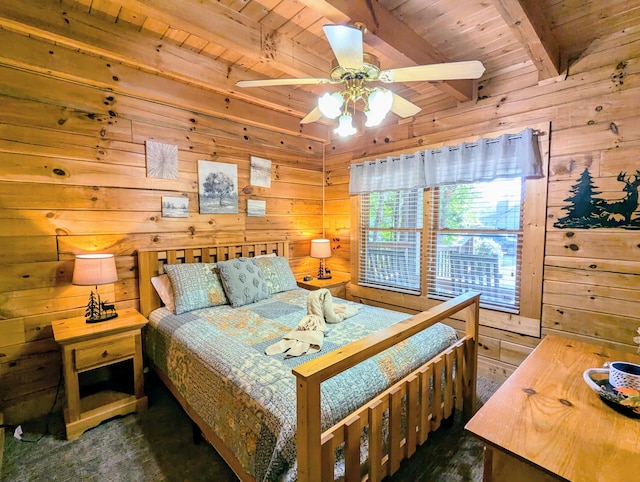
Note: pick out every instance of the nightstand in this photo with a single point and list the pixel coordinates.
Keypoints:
(85, 346)
(337, 285)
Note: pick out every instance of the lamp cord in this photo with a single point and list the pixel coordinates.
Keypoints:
(324, 145)
(46, 428)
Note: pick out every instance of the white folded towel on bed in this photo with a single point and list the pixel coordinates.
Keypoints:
(308, 336)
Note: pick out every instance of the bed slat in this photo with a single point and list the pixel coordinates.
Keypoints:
(436, 417)
(352, 450)
(395, 425)
(458, 393)
(328, 458)
(375, 441)
(413, 386)
(424, 427)
(448, 383)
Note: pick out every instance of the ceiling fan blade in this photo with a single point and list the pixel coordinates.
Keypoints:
(312, 116)
(272, 82)
(471, 69)
(346, 43)
(403, 107)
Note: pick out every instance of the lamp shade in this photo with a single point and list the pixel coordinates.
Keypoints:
(94, 269)
(320, 248)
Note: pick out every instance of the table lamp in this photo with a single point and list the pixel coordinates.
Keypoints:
(94, 270)
(321, 249)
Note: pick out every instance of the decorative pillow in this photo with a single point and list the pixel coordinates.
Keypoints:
(162, 284)
(277, 273)
(195, 286)
(243, 281)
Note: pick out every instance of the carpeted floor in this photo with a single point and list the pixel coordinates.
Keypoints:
(157, 446)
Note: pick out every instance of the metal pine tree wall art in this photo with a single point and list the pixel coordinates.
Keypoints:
(585, 210)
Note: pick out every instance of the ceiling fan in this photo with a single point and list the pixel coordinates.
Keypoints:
(356, 69)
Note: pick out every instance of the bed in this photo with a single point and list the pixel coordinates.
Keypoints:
(381, 383)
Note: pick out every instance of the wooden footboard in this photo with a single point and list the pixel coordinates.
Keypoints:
(447, 386)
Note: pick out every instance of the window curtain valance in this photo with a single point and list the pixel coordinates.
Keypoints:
(389, 174)
(510, 155)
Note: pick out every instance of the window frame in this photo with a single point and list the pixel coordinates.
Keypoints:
(534, 206)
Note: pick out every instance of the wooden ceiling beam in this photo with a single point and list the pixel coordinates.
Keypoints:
(76, 29)
(392, 37)
(224, 26)
(530, 26)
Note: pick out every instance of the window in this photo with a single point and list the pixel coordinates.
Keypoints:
(446, 220)
(475, 242)
(391, 232)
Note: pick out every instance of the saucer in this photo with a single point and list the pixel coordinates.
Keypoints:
(613, 398)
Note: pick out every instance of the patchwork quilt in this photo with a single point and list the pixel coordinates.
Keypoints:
(216, 359)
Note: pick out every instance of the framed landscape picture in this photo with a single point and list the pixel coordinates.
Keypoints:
(175, 207)
(256, 208)
(217, 187)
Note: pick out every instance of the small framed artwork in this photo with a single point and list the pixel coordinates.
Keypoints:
(256, 208)
(162, 160)
(175, 207)
(260, 172)
(218, 187)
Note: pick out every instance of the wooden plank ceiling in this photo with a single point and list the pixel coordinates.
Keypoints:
(213, 44)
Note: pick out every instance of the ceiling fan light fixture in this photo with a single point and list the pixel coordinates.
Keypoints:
(330, 104)
(345, 127)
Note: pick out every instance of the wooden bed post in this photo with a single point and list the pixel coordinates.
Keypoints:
(472, 327)
(308, 428)
(147, 268)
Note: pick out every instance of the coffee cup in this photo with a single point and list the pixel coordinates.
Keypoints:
(621, 375)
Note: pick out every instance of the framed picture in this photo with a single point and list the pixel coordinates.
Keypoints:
(256, 208)
(260, 172)
(162, 160)
(217, 187)
(175, 207)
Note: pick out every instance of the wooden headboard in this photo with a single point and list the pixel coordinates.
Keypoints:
(151, 262)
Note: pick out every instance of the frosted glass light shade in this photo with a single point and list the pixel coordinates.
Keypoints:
(94, 269)
(373, 119)
(345, 127)
(320, 248)
(330, 104)
(380, 102)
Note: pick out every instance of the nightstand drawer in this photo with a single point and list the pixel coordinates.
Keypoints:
(105, 352)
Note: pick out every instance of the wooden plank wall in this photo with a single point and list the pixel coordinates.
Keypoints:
(591, 284)
(73, 180)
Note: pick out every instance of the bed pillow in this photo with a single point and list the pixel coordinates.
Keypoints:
(162, 284)
(243, 281)
(195, 286)
(277, 273)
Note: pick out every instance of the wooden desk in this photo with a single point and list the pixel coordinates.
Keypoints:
(544, 423)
